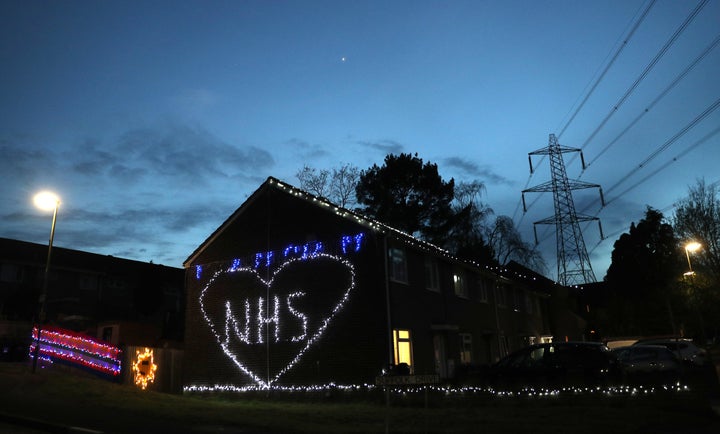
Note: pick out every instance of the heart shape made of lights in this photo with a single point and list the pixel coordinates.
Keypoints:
(265, 326)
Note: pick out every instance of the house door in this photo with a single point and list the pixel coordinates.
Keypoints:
(439, 345)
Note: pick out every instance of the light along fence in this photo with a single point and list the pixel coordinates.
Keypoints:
(64, 346)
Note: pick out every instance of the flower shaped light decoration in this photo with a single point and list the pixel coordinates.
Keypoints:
(144, 368)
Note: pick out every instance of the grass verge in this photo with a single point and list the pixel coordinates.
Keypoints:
(66, 397)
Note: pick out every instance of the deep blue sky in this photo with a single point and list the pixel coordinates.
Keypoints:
(154, 120)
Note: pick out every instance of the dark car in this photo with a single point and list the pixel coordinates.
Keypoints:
(684, 349)
(556, 365)
(649, 364)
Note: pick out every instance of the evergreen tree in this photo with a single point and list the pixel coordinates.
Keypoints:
(643, 278)
(409, 195)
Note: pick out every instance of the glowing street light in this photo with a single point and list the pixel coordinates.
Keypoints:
(46, 201)
(691, 247)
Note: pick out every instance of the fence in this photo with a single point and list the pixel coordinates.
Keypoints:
(168, 372)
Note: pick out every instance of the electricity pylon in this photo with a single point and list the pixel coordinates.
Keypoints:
(572, 258)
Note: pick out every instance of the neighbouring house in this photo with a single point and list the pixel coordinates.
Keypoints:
(118, 300)
(293, 290)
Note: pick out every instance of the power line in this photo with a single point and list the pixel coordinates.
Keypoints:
(665, 145)
(647, 69)
(658, 98)
(669, 162)
(607, 67)
(587, 96)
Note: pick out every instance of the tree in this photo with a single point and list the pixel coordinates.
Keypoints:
(409, 195)
(507, 244)
(697, 218)
(337, 184)
(643, 278)
(466, 235)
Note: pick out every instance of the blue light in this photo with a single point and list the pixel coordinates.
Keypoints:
(347, 240)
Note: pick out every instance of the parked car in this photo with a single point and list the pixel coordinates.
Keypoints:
(685, 349)
(556, 365)
(648, 364)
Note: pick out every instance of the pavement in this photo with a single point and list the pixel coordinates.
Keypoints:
(12, 424)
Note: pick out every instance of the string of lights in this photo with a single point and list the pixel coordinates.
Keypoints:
(525, 392)
(59, 344)
(234, 335)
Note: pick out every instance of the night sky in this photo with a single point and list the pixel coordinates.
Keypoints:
(154, 120)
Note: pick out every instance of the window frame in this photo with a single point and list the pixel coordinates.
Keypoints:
(399, 341)
(432, 274)
(483, 289)
(466, 348)
(396, 275)
(460, 286)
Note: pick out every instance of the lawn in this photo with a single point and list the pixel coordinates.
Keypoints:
(60, 395)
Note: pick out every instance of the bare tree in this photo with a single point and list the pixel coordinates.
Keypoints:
(336, 185)
(314, 181)
(342, 185)
(697, 218)
(508, 245)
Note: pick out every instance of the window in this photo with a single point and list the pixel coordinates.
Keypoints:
(432, 276)
(500, 292)
(465, 348)
(503, 345)
(11, 273)
(460, 285)
(398, 265)
(87, 282)
(403, 347)
(517, 299)
(483, 285)
(529, 302)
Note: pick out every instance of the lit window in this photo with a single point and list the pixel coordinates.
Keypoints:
(403, 347)
(398, 265)
(459, 285)
(465, 348)
(432, 276)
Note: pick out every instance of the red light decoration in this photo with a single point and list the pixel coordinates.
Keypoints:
(75, 348)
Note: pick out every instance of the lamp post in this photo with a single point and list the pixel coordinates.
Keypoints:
(46, 201)
(694, 246)
(691, 247)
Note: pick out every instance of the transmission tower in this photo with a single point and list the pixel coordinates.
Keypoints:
(572, 258)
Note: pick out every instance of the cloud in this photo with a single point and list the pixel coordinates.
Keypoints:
(306, 150)
(189, 156)
(152, 186)
(386, 146)
(195, 101)
(483, 172)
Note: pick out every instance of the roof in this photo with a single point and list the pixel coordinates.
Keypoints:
(18, 251)
(523, 274)
(321, 202)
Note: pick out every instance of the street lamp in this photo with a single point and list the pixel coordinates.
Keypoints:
(691, 247)
(45, 201)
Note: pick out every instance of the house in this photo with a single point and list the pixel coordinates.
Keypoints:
(118, 300)
(293, 290)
